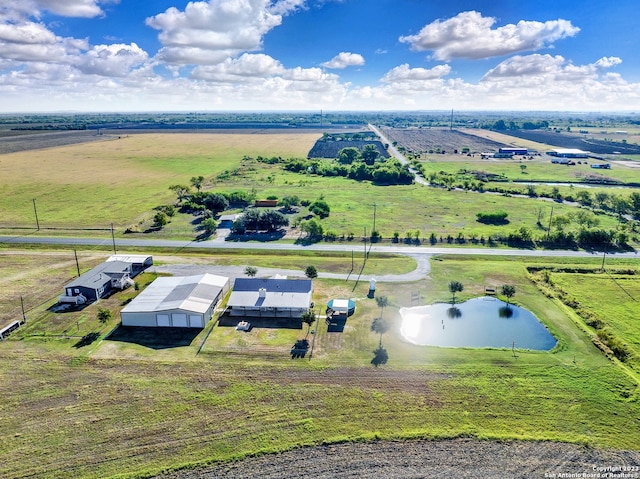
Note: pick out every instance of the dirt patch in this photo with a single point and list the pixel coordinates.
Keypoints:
(435, 139)
(456, 458)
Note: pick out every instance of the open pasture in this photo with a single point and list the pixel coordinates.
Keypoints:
(117, 181)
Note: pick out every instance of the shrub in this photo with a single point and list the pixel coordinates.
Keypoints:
(495, 218)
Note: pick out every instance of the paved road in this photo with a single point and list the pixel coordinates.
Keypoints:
(340, 247)
(422, 254)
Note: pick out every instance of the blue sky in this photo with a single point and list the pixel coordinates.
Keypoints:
(225, 55)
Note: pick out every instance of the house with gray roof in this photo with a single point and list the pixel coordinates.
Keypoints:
(270, 297)
(176, 302)
(114, 274)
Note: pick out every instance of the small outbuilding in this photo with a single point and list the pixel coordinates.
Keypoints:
(270, 298)
(341, 308)
(176, 301)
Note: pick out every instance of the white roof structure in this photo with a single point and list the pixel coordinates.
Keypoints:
(132, 258)
(271, 293)
(189, 293)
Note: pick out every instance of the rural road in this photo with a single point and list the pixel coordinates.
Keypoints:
(394, 151)
(422, 254)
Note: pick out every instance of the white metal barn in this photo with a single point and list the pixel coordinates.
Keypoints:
(177, 302)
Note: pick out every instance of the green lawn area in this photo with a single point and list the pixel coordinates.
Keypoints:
(126, 408)
(614, 298)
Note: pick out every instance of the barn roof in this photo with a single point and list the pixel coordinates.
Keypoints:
(189, 293)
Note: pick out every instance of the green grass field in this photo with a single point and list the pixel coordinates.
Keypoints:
(125, 408)
(121, 181)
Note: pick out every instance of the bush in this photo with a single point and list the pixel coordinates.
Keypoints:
(495, 218)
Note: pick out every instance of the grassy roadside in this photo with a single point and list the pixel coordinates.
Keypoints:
(125, 409)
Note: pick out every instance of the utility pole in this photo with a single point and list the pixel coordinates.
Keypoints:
(36, 213)
(604, 254)
(113, 239)
(374, 217)
(315, 333)
(24, 316)
(550, 217)
(75, 253)
(365, 245)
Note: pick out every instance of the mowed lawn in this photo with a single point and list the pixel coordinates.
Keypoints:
(615, 298)
(126, 408)
(117, 180)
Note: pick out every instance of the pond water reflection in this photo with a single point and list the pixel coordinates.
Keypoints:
(477, 323)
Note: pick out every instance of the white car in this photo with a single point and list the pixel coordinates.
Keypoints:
(243, 326)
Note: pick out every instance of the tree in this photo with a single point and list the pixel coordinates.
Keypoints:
(251, 271)
(313, 228)
(104, 315)
(370, 154)
(160, 219)
(455, 287)
(523, 169)
(379, 326)
(320, 208)
(346, 156)
(209, 226)
(634, 201)
(508, 291)
(181, 191)
(272, 220)
(311, 272)
(380, 356)
(216, 202)
(382, 303)
(197, 181)
(308, 318)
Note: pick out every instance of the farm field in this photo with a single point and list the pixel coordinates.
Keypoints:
(129, 177)
(421, 140)
(134, 407)
(581, 142)
(120, 181)
(15, 141)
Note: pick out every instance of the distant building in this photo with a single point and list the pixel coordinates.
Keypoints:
(266, 203)
(176, 301)
(567, 153)
(115, 273)
(270, 298)
(514, 151)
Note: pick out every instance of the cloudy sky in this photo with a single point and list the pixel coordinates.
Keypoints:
(221, 55)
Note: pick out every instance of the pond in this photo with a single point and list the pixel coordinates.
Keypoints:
(477, 323)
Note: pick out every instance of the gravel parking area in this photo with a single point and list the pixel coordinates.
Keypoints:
(456, 458)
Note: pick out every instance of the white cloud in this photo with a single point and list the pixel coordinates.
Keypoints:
(469, 35)
(210, 32)
(248, 67)
(72, 8)
(115, 60)
(404, 74)
(546, 68)
(344, 60)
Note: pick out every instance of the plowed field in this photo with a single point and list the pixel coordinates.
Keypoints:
(422, 140)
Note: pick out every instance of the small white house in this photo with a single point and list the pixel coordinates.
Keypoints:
(177, 301)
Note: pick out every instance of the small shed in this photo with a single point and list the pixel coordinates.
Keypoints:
(341, 307)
